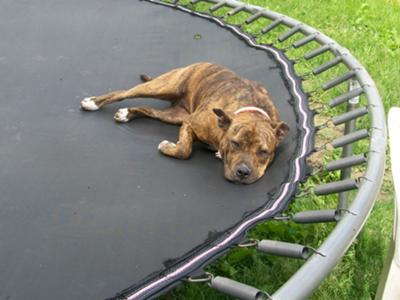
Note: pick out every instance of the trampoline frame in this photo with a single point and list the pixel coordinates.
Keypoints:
(351, 217)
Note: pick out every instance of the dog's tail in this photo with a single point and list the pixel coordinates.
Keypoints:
(145, 78)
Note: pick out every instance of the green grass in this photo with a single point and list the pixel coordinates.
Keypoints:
(371, 31)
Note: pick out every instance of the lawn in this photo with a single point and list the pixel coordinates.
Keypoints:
(371, 31)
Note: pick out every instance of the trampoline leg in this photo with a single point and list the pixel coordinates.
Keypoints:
(173, 115)
(183, 148)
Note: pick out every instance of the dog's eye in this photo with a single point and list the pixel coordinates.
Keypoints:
(263, 153)
(235, 145)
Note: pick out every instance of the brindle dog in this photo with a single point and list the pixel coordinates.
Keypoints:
(233, 115)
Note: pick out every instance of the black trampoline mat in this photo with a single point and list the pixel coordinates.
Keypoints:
(89, 207)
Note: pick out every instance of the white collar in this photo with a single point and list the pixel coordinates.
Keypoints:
(253, 109)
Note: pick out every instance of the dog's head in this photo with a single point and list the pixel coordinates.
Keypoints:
(248, 145)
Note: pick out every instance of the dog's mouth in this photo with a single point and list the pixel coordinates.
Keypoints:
(242, 181)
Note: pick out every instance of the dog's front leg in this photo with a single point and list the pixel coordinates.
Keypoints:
(183, 148)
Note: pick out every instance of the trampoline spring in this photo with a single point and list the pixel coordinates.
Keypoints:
(350, 138)
(206, 278)
(345, 97)
(237, 289)
(289, 33)
(348, 211)
(318, 109)
(316, 216)
(236, 10)
(322, 147)
(326, 66)
(338, 80)
(314, 95)
(306, 76)
(217, 6)
(316, 52)
(271, 26)
(313, 92)
(285, 49)
(351, 115)
(248, 243)
(364, 178)
(316, 171)
(317, 252)
(305, 40)
(284, 249)
(303, 193)
(297, 60)
(282, 218)
(254, 17)
(336, 187)
(346, 162)
(323, 126)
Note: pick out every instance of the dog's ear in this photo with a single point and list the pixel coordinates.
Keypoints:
(281, 130)
(224, 121)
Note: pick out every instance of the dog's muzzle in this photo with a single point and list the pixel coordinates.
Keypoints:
(242, 172)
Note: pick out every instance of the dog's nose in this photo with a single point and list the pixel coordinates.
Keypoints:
(243, 171)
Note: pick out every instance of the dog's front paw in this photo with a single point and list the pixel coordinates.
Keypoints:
(167, 148)
(89, 104)
(174, 150)
(122, 115)
(164, 146)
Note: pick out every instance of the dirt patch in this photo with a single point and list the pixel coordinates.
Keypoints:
(323, 138)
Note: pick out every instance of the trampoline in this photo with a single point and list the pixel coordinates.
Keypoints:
(90, 210)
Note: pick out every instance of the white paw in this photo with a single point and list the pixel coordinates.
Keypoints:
(164, 144)
(89, 104)
(122, 115)
(218, 155)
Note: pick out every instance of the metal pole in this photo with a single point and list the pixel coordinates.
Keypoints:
(350, 126)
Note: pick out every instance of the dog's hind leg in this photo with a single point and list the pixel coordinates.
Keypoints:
(183, 148)
(173, 115)
(168, 86)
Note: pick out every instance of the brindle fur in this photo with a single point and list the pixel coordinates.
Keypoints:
(203, 98)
